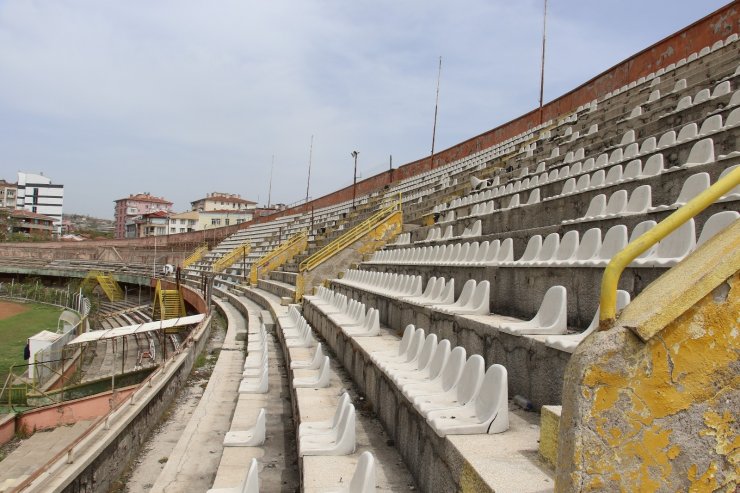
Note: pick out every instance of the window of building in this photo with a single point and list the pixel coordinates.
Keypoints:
(216, 222)
(227, 222)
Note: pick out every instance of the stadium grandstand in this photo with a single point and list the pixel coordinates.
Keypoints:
(549, 306)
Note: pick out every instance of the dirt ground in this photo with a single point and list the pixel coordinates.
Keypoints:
(8, 309)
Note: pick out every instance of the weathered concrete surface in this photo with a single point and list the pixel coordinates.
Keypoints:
(660, 414)
(502, 462)
(535, 371)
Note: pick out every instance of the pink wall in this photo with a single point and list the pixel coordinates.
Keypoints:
(65, 413)
(7, 429)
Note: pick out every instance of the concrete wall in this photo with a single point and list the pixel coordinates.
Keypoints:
(652, 404)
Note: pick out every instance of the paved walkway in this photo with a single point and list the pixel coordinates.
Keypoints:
(36, 451)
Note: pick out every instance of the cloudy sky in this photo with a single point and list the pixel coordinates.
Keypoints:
(184, 97)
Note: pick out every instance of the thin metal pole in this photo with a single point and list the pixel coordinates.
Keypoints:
(269, 189)
(310, 155)
(436, 107)
(542, 66)
(354, 181)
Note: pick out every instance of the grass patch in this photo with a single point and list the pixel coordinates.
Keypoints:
(15, 330)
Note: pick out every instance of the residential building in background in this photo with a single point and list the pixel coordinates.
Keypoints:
(150, 224)
(129, 208)
(183, 222)
(220, 209)
(36, 193)
(26, 223)
(8, 194)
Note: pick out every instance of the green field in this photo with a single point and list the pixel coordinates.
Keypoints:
(15, 330)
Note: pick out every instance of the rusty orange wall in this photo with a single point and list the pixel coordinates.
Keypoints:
(7, 429)
(71, 412)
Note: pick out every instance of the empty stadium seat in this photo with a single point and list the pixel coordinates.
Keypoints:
(252, 437)
(551, 318)
(339, 440)
(487, 413)
(250, 483)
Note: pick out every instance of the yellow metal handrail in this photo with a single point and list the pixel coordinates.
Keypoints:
(613, 271)
(231, 257)
(274, 259)
(195, 256)
(350, 237)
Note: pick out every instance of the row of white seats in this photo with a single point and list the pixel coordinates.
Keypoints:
(640, 200)
(571, 250)
(354, 318)
(254, 376)
(337, 437)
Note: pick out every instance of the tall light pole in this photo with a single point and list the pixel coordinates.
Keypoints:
(354, 182)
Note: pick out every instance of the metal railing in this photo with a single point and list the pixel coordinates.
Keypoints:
(350, 236)
(195, 256)
(613, 271)
(229, 258)
(274, 259)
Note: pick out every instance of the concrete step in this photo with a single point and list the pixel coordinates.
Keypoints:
(277, 288)
(282, 276)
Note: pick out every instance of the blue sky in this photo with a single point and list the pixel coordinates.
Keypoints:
(184, 97)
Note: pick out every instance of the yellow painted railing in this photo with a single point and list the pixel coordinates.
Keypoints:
(231, 257)
(613, 271)
(274, 259)
(350, 237)
(195, 256)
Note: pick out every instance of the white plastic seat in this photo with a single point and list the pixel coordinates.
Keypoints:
(569, 342)
(408, 334)
(465, 295)
(612, 243)
(551, 318)
(596, 208)
(711, 125)
(425, 355)
(534, 244)
(640, 200)
(668, 139)
(549, 247)
(250, 483)
(648, 146)
(319, 381)
(614, 175)
(465, 389)
(687, 132)
(427, 372)
(617, 204)
(653, 166)
(340, 440)
(322, 427)
(410, 355)
(671, 249)
(597, 179)
(693, 186)
(363, 479)
(588, 247)
(487, 413)
(701, 153)
(477, 304)
(566, 249)
(370, 326)
(252, 437)
(632, 170)
(733, 194)
(716, 223)
(444, 381)
(254, 385)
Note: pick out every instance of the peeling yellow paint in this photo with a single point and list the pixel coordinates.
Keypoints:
(638, 397)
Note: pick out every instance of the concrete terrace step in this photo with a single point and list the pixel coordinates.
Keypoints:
(285, 277)
(324, 473)
(277, 288)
